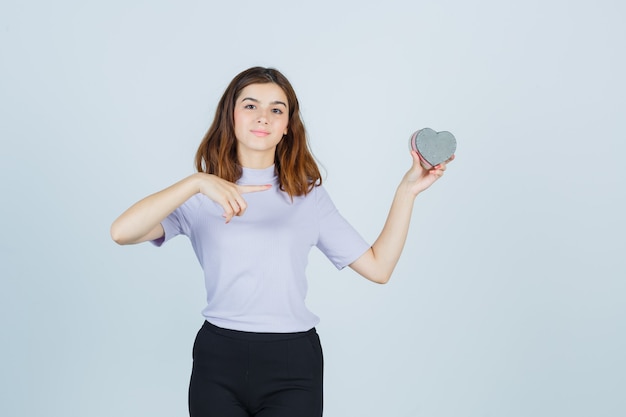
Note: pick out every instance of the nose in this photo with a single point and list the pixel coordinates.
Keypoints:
(262, 117)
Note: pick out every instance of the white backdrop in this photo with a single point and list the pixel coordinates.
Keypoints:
(509, 299)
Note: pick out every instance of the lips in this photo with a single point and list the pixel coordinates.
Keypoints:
(260, 133)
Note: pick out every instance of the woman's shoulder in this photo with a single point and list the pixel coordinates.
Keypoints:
(320, 195)
(315, 192)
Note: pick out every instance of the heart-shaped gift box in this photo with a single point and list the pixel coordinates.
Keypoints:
(433, 147)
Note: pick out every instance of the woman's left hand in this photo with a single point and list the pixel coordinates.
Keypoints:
(418, 178)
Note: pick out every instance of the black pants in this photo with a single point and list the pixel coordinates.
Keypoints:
(243, 374)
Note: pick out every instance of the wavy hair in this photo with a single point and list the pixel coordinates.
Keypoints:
(296, 168)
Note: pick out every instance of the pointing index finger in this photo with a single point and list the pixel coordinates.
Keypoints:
(253, 188)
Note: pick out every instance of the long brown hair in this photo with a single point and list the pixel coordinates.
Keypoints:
(217, 154)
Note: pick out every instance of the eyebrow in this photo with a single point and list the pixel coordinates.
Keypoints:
(257, 101)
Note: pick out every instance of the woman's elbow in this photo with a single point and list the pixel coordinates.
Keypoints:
(118, 236)
(378, 277)
(368, 267)
(381, 279)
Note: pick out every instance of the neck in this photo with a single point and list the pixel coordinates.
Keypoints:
(256, 160)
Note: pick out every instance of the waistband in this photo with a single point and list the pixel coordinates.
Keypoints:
(254, 336)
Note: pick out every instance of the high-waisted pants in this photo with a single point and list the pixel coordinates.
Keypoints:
(244, 374)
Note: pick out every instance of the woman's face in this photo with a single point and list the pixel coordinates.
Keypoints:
(261, 119)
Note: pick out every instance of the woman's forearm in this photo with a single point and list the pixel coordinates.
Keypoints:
(142, 220)
(390, 243)
(379, 262)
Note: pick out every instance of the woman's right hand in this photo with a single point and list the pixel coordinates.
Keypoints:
(227, 194)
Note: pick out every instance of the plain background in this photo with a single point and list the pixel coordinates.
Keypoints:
(509, 299)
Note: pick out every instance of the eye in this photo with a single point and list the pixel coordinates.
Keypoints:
(277, 111)
(249, 106)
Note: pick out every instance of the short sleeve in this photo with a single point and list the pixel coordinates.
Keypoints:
(337, 239)
(177, 223)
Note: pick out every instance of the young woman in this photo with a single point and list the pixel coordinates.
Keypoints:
(252, 212)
